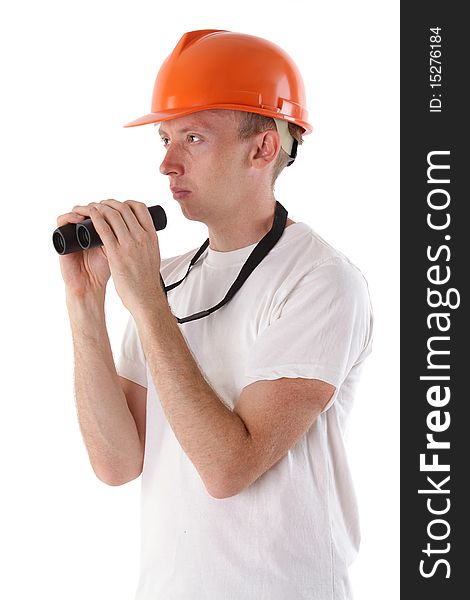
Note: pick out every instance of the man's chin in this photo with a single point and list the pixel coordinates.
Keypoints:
(189, 212)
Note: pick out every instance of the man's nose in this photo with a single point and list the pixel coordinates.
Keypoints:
(171, 163)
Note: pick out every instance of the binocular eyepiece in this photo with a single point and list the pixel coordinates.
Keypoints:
(74, 237)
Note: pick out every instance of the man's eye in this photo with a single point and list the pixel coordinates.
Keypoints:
(165, 141)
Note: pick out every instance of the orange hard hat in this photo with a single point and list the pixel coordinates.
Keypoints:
(215, 68)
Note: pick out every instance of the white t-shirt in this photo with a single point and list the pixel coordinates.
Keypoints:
(303, 312)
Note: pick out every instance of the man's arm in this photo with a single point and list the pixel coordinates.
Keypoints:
(276, 413)
(107, 425)
(230, 449)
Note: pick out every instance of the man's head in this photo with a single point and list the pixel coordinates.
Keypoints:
(224, 158)
(236, 92)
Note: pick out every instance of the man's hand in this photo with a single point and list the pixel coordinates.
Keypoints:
(131, 245)
(85, 274)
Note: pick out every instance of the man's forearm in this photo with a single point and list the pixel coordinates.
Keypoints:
(210, 433)
(107, 425)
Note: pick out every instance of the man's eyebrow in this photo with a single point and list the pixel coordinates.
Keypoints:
(186, 129)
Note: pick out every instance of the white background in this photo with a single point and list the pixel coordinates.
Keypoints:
(72, 75)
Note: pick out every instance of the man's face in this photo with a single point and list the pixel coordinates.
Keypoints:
(204, 156)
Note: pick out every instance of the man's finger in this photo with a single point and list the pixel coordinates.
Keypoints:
(71, 217)
(84, 210)
(103, 229)
(125, 213)
(142, 214)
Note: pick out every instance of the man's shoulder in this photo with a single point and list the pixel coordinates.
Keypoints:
(314, 266)
(308, 254)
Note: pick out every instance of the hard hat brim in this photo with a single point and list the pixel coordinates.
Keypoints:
(166, 115)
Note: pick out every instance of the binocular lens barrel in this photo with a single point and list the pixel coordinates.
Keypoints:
(74, 237)
(83, 236)
(65, 239)
(87, 236)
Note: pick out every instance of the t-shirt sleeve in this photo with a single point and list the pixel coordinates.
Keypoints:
(322, 329)
(131, 362)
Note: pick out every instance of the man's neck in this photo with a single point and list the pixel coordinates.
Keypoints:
(240, 233)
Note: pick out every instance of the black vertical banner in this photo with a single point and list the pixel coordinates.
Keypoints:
(435, 332)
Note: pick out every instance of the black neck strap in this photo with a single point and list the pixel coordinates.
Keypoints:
(261, 250)
(293, 152)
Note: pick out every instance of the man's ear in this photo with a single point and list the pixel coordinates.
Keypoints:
(265, 149)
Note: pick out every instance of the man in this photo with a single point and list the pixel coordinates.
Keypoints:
(234, 414)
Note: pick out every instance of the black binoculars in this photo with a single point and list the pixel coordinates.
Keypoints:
(74, 237)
